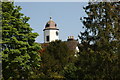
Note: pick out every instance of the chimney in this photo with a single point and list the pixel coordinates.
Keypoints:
(70, 38)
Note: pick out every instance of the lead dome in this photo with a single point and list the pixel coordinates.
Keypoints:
(50, 24)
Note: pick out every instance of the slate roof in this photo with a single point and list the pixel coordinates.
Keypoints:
(72, 44)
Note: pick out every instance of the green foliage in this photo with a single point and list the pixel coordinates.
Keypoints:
(100, 42)
(70, 71)
(100, 45)
(20, 58)
(54, 59)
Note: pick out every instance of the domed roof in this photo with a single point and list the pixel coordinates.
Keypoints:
(50, 24)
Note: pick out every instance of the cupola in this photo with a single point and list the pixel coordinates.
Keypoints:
(50, 24)
(51, 32)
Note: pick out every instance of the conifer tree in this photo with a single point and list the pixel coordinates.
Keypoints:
(100, 42)
(20, 58)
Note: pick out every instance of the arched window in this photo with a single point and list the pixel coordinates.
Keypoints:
(47, 38)
(47, 25)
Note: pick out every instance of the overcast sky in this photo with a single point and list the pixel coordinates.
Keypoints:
(65, 14)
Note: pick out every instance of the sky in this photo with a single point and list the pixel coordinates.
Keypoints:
(65, 14)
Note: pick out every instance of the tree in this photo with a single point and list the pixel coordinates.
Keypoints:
(56, 56)
(99, 48)
(70, 72)
(20, 58)
(0, 40)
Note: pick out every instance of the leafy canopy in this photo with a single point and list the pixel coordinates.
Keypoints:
(55, 57)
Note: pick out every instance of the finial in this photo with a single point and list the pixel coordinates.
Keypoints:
(50, 18)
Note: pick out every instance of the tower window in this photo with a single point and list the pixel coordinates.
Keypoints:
(47, 38)
(56, 33)
(47, 25)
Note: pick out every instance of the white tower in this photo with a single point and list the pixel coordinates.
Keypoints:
(51, 32)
